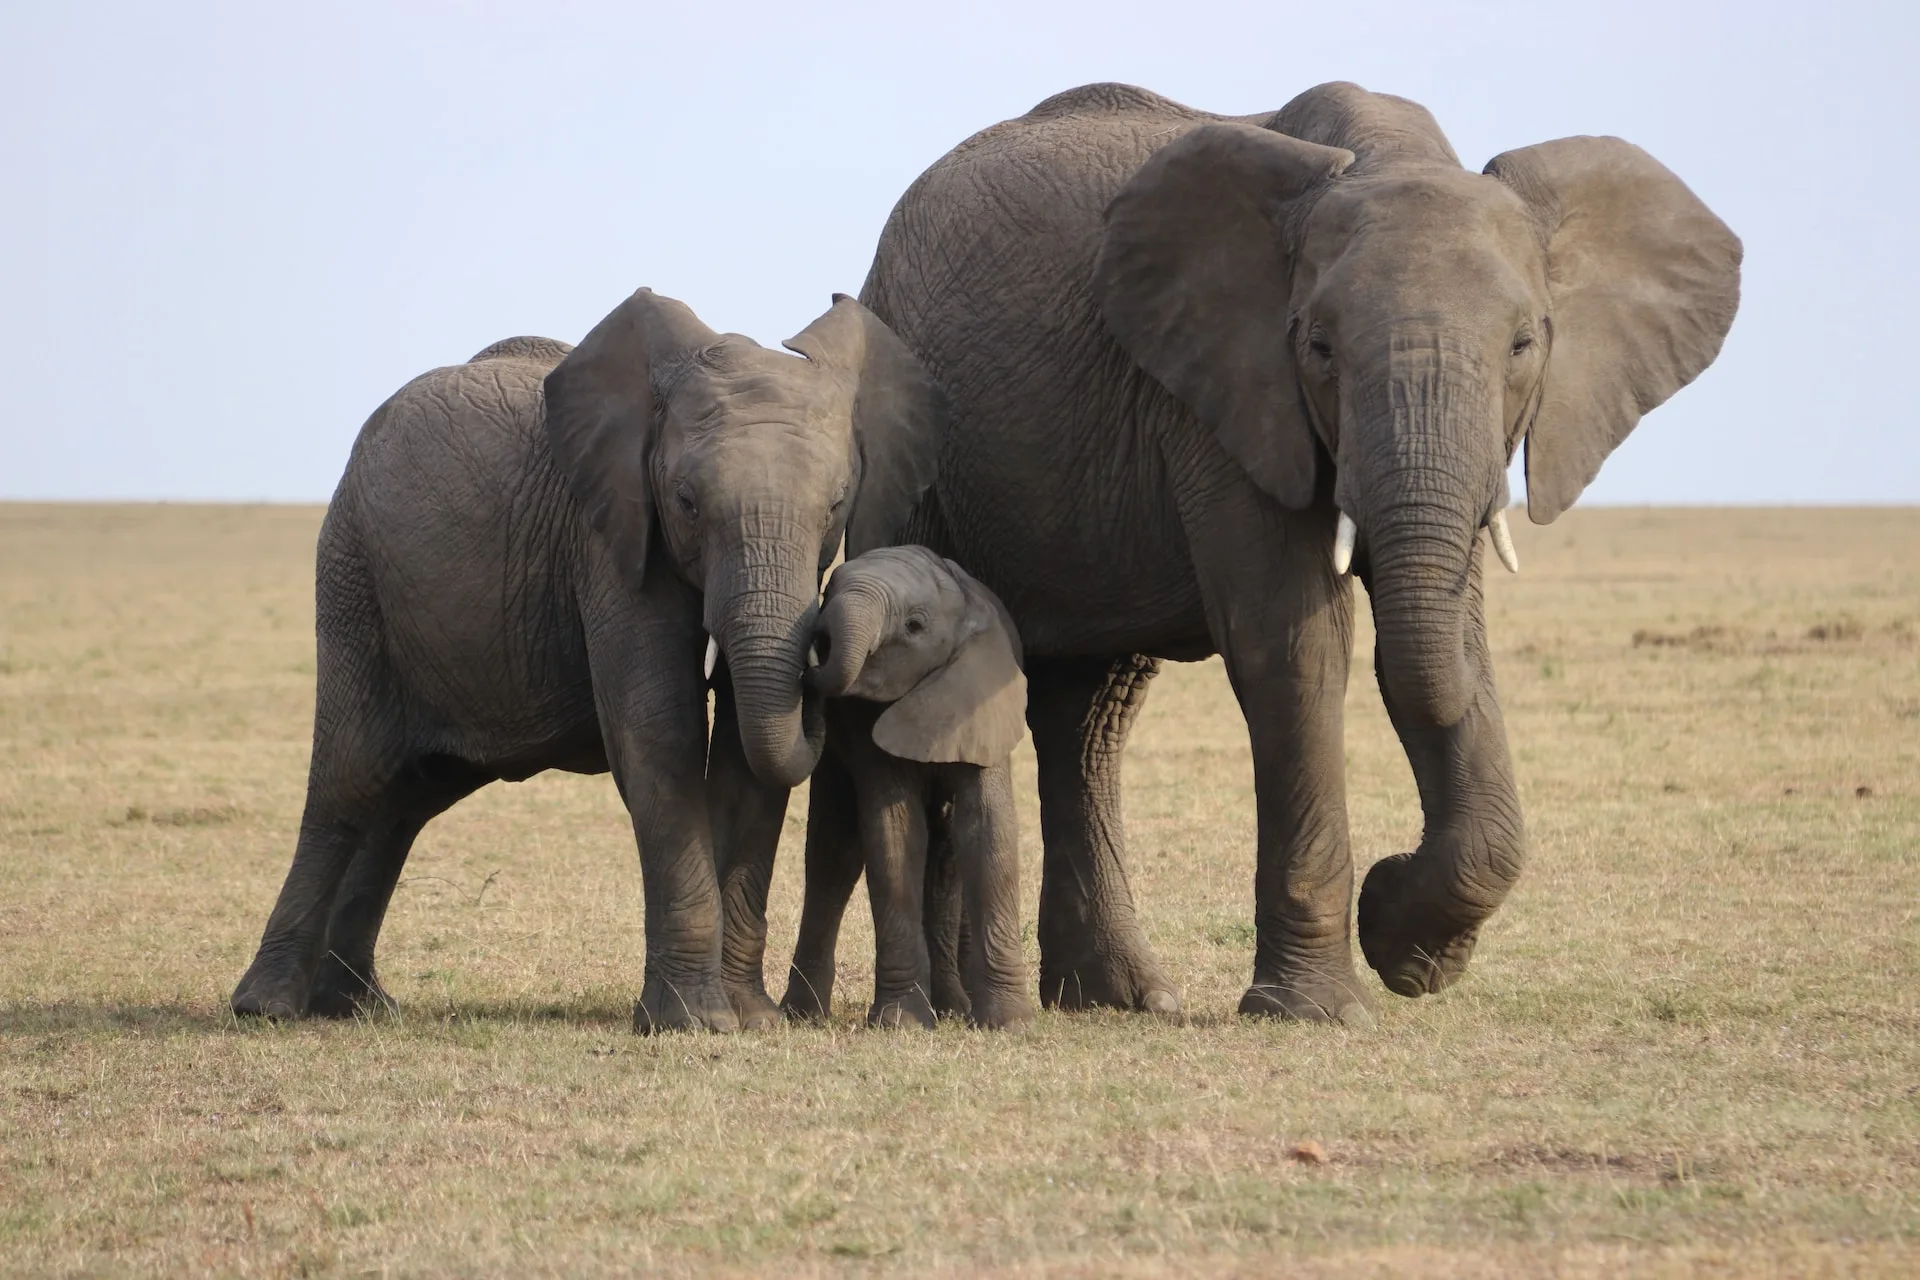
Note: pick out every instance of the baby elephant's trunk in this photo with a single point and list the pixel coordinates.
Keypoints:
(848, 627)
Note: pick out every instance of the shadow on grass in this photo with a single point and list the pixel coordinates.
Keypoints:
(595, 1010)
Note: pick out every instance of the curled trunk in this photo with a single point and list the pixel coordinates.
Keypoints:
(848, 628)
(764, 617)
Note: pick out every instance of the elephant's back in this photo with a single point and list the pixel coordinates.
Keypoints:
(985, 270)
(1021, 199)
(466, 539)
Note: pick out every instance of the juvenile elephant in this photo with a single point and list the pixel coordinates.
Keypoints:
(519, 571)
(1201, 366)
(921, 668)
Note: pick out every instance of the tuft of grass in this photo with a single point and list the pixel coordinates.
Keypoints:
(1688, 1044)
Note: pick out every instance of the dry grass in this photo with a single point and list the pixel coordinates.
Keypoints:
(1690, 1043)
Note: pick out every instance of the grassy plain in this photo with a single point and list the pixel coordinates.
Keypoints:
(1690, 1043)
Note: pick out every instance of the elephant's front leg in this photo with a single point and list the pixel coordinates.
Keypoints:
(1421, 912)
(1283, 622)
(653, 718)
(1092, 948)
(986, 844)
(893, 832)
(746, 815)
(833, 864)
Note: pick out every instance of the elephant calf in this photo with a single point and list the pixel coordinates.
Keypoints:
(921, 668)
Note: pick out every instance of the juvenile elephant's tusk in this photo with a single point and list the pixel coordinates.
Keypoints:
(1343, 536)
(1503, 541)
(813, 655)
(713, 656)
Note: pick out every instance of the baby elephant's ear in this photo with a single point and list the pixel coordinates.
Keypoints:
(970, 711)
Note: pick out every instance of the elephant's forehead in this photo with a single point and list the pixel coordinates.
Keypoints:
(760, 385)
(1444, 209)
(913, 575)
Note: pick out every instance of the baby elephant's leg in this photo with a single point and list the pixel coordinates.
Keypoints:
(893, 831)
(833, 868)
(943, 910)
(986, 844)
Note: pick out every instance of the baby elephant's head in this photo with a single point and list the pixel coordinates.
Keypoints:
(903, 626)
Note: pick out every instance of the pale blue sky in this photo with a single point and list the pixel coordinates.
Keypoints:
(230, 231)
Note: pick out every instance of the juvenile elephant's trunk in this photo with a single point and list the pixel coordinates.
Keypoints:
(848, 628)
(763, 615)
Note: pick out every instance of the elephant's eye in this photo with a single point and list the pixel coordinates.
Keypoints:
(683, 496)
(1318, 344)
(1522, 344)
(915, 624)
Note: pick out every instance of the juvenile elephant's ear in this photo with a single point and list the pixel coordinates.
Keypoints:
(601, 406)
(1194, 280)
(972, 710)
(899, 417)
(1642, 281)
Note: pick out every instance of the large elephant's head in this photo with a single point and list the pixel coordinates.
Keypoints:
(1335, 288)
(740, 468)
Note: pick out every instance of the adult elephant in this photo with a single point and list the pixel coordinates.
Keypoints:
(1200, 365)
(519, 571)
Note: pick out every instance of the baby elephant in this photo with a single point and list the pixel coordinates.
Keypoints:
(921, 668)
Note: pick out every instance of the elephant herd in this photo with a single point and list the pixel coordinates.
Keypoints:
(1127, 382)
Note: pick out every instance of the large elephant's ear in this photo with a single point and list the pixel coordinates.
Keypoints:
(972, 710)
(899, 417)
(1642, 282)
(601, 407)
(1194, 280)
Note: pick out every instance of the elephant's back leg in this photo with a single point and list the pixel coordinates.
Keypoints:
(1092, 949)
(360, 749)
(421, 790)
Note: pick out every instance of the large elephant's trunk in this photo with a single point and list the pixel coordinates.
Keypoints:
(762, 608)
(1420, 487)
(1421, 465)
(1419, 557)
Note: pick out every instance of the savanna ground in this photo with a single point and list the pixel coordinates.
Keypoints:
(1690, 1042)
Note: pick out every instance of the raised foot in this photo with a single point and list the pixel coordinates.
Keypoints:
(670, 1006)
(1127, 978)
(344, 991)
(1415, 936)
(1309, 998)
(911, 1009)
(754, 1007)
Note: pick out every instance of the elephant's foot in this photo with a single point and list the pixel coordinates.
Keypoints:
(753, 1006)
(1125, 976)
(1002, 1011)
(1416, 936)
(271, 991)
(1310, 995)
(341, 990)
(693, 1005)
(809, 996)
(950, 999)
(908, 1009)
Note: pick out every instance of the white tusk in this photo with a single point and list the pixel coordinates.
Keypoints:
(813, 655)
(1503, 541)
(713, 656)
(1343, 536)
